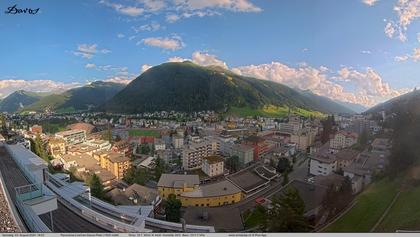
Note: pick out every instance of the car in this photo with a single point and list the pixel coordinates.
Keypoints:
(260, 200)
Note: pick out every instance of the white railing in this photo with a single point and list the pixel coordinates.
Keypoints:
(177, 226)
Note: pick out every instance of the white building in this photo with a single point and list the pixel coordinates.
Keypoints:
(192, 156)
(178, 142)
(323, 165)
(213, 166)
(72, 137)
(160, 145)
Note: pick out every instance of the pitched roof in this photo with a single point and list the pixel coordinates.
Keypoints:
(178, 180)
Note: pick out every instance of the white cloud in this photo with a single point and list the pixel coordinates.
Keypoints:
(88, 51)
(171, 18)
(173, 43)
(119, 79)
(231, 5)
(401, 58)
(370, 88)
(177, 59)
(120, 35)
(153, 26)
(206, 59)
(365, 52)
(9, 86)
(177, 9)
(125, 10)
(407, 11)
(370, 2)
(145, 67)
(90, 66)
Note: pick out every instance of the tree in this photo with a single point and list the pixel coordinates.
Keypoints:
(337, 198)
(328, 128)
(285, 178)
(144, 149)
(160, 168)
(232, 163)
(286, 214)
(96, 187)
(283, 165)
(173, 208)
(38, 148)
(138, 176)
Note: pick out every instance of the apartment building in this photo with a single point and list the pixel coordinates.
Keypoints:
(116, 163)
(213, 166)
(177, 142)
(303, 138)
(323, 165)
(343, 139)
(192, 156)
(72, 137)
(243, 152)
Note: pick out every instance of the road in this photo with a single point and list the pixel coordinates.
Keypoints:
(64, 219)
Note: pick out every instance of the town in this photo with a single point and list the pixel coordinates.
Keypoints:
(204, 169)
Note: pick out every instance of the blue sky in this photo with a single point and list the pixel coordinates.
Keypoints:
(361, 51)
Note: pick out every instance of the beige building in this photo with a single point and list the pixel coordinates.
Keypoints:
(343, 139)
(56, 147)
(213, 166)
(303, 138)
(116, 163)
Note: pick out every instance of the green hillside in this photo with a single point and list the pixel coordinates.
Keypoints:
(188, 87)
(18, 100)
(81, 98)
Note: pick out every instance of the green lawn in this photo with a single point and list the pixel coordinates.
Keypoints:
(370, 206)
(272, 111)
(404, 214)
(253, 219)
(145, 133)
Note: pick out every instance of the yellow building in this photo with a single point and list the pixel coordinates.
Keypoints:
(177, 184)
(56, 147)
(212, 195)
(190, 193)
(116, 163)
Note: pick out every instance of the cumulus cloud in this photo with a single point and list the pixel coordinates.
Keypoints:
(88, 51)
(365, 52)
(401, 58)
(370, 2)
(145, 67)
(206, 59)
(173, 43)
(232, 5)
(120, 35)
(9, 86)
(370, 88)
(119, 79)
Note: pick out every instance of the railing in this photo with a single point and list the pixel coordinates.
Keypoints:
(33, 222)
(28, 192)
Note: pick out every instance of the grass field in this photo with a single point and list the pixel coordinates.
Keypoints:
(370, 206)
(253, 218)
(143, 133)
(404, 214)
(272, 111)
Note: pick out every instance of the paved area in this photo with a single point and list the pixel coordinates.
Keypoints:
(7, 224)
(64, 219)
(224, 219)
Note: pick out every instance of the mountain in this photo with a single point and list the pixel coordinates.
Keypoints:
(188, 87)
(409, 100)
(18, 100)
(76, 99)
(358, 108)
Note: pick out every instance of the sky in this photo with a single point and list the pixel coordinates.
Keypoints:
(358, 51)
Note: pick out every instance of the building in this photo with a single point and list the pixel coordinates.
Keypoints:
(123, 147)
(243, 152)
(101, 145)
(80, 149)
(177, 184)
(72, 137)
(177, 142)
(303, 138)
(380, 145)
(87, 127)
(323, 164)
(116, 163)
(192, 157)
(56, 147)
(160, 145)
(213, 166)
(343, 139)
(212, 195)
(36, 129)
(292, 126)
(259, 145)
